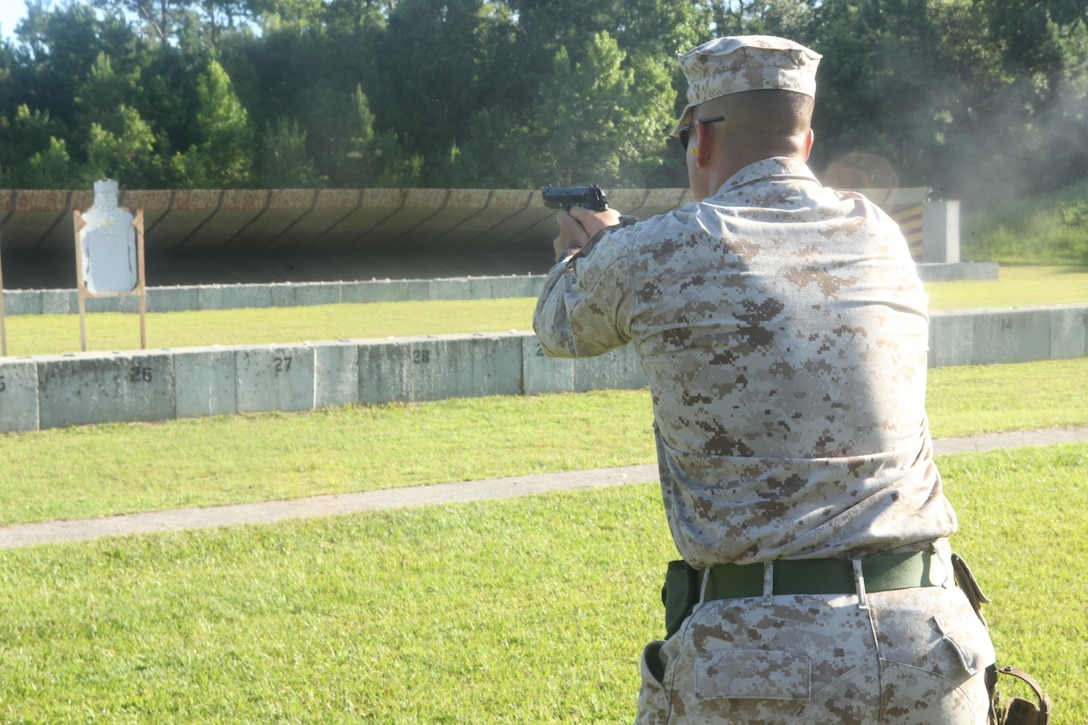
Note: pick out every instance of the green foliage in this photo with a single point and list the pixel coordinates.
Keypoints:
(32, 139)
(1045, 229)
(51, 168)
(125, 152)
(283, 161)
(599, 118)
(223, 158)
(980, 101)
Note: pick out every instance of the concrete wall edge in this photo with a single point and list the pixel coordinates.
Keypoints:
(38, 392)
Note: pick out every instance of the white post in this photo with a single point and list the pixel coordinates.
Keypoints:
(941, 231)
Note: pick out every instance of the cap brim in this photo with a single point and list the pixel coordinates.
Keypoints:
(685, 119)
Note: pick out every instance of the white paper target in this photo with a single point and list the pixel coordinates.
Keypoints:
(108, 244)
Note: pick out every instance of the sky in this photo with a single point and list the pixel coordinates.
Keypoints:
(11, 12)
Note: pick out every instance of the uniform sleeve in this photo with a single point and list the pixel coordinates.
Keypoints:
(585, 306)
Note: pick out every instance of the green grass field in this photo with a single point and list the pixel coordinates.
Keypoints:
(529, 610)
(1051, 228)
(525, 611)
(82, 472)
(54, 334)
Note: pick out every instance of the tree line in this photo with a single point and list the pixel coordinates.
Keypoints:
(979, 99)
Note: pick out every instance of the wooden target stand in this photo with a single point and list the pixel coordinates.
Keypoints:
(109, 255)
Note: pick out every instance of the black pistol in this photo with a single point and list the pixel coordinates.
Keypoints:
(564, 197)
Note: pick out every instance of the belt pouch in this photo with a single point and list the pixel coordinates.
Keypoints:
(680, 594)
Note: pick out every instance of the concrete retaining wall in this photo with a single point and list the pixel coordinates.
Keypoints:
(1012, 335)
(81, 388)
(286, 294)
(291, 294)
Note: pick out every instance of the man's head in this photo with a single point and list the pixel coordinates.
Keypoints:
(749, 98)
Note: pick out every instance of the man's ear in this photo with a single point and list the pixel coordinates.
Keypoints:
(809, 137)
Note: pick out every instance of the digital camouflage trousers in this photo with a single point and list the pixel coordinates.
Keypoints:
(903, 657)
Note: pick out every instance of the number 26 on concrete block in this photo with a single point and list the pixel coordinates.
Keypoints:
(140, 374)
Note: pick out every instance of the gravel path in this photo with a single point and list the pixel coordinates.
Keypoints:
(490, 489)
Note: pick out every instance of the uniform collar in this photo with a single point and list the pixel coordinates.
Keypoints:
(779, 167)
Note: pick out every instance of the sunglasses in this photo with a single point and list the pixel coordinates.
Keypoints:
(684, 132)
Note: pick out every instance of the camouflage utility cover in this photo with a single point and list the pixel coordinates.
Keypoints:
(745, 63)
(783, 329)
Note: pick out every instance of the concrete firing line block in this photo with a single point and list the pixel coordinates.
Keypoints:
(22, 302)
(210, 297)
(507, 287)
(616, 370)
(336, 373)
(416, 289)
(542, 374)
(206, 382)
(102, 304)
(494, 288)
(85, 388)
(378, 290)
(353, 293)
(59, 302)
(1069, 332)
(235, 296)
(951, 338)
(1011, 336)
(129, 304)
(385, 371)
(276, 377)
(281, 295)
(453, 288)
(247, 295)
(951, 271)
(18, 395)
(533, 286)
(463, 367)
(173, 299)
(217, 297)
(480, 288)
(318, 293)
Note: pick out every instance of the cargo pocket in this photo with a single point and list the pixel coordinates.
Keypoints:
(653, 703)
(967, 635)
(753, 674)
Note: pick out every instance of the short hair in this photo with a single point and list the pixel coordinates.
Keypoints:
(762, 113)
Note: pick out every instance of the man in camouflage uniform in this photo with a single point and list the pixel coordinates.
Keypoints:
(783, 329)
